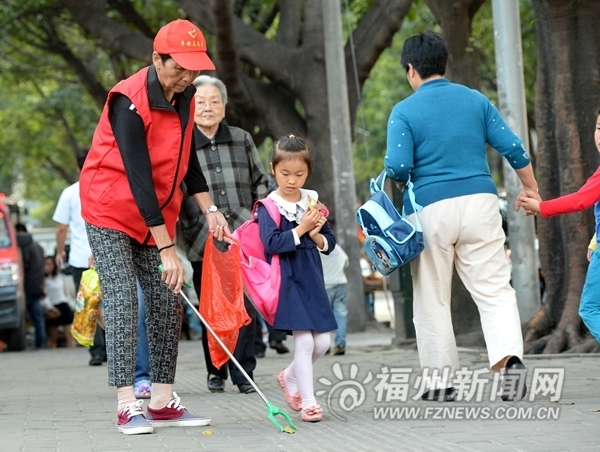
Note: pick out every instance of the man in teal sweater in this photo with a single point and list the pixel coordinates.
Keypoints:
(438, 137)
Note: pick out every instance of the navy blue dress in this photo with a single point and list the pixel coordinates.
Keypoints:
(303, 302)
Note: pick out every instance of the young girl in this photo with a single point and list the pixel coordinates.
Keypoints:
(303, 307)
(585, 197)
(59, 312)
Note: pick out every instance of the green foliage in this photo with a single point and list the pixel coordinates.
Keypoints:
(45, 112)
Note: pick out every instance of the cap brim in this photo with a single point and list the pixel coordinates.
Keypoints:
(194, 61)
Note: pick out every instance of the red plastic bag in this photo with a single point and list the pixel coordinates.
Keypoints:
(222, 298)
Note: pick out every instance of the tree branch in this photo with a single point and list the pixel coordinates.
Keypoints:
(125, 8)
(59, 170)
(371, 37)
(229, 67)
(200, 13)
(111, 35)
(290, 22)
(58, 46)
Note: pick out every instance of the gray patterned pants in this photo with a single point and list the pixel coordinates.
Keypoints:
(119, 261)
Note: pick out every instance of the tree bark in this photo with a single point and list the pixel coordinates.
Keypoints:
(456, 18)
(568, 57)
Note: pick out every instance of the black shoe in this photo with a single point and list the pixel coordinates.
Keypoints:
(260, 354)
(514, 386)
(96, 361)
(440, 395)
(279, 346)
(246, 388)
(215, 383)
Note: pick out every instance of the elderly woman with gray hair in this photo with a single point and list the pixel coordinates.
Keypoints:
(236, 179)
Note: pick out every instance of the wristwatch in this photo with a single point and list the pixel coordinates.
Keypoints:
(211, 209)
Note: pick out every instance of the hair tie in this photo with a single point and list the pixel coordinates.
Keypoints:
(290, 136)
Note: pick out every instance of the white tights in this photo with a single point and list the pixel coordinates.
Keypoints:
(309, 346)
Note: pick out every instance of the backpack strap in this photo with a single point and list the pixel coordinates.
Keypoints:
(271, 208)
(378, 184)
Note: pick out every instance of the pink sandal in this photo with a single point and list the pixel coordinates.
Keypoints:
(313, 413)
(295, 402)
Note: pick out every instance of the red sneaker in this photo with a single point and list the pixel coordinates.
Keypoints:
(175, 415)
(131, 420)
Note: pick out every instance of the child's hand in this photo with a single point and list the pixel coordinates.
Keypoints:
(531, 205)
(317, 229)
(527, 194)
(310, 219)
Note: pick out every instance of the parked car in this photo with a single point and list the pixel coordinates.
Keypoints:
(12, 296)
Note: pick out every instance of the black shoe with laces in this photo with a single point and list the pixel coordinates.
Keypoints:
(215, 383)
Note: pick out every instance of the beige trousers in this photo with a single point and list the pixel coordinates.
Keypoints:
(466, 232)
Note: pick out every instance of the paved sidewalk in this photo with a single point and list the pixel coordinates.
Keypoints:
(52, 400)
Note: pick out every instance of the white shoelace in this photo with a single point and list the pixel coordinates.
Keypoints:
(134, 409)
(174, 402)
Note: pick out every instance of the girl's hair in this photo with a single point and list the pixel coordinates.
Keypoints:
(54, 271)
(292, 147)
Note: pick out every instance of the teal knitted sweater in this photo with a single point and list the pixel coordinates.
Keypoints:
(438, 137)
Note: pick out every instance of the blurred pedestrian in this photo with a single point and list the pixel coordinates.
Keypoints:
(58, 305)
(33, 284)
(334, 266)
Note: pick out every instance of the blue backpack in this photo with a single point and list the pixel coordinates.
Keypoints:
(391, 241)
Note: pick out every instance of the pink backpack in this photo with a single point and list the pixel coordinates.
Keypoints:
(262, 280)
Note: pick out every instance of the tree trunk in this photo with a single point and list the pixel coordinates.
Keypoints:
(568, 94)
(456, 19)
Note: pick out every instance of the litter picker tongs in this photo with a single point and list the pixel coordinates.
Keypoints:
(271, 409)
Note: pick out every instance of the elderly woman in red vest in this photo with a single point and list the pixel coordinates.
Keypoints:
(142, 150)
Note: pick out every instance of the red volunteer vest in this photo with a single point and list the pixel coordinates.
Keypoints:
(106, 198)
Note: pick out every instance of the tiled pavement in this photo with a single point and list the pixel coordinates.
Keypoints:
(51, 400)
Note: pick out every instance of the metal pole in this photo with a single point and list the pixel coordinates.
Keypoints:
(511, 96)
(341, 157)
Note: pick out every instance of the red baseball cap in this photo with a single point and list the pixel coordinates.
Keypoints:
(185, 43)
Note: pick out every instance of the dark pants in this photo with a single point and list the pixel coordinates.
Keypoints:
(99, 347)
(274, 336)
(32, 303)
(244, 349)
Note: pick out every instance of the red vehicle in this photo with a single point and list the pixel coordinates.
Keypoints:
(12, 296)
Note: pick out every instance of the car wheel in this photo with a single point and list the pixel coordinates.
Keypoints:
(16, 338)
